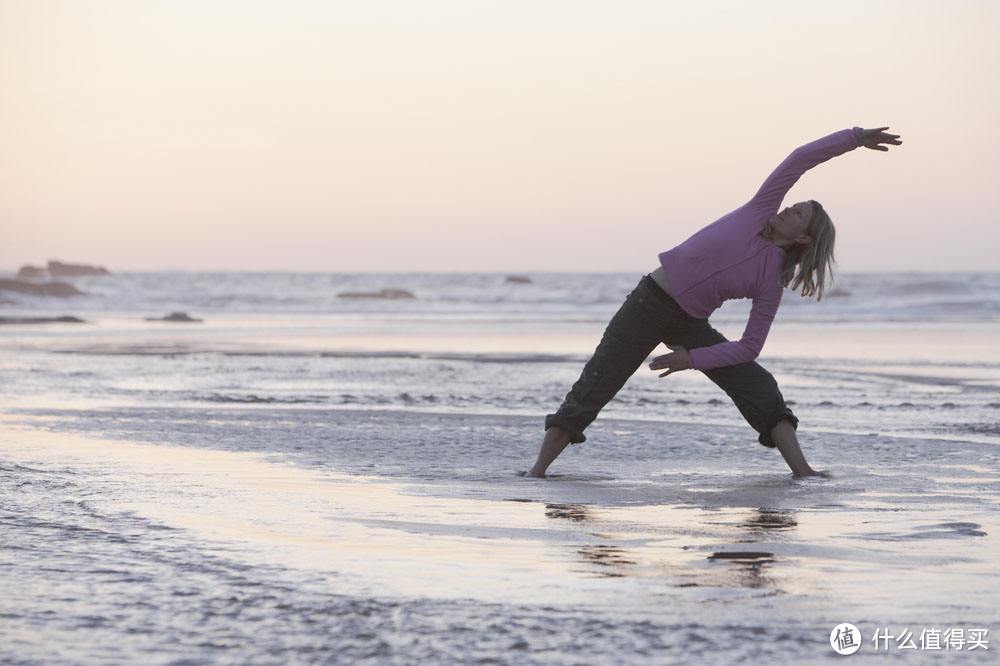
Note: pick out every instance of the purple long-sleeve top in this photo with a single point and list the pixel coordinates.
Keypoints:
(731, 259)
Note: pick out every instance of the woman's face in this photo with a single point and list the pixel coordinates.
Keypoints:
(792, 222)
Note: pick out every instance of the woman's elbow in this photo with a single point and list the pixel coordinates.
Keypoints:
(751, 351)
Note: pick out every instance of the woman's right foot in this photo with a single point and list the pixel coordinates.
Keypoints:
(812, 472)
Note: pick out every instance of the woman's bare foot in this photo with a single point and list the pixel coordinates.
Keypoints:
(556, 439)
(784, 438)
(813, 472)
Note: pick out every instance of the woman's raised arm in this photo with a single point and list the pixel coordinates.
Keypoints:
(768, 198)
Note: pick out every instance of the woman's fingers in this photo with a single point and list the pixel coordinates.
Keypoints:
(876, 143)
(672, 360)
(874, 136)
(884, 137)
(661, 362)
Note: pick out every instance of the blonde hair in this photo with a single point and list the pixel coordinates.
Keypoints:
(808, 266)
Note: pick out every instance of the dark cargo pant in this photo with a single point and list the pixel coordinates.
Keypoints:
(648, 317)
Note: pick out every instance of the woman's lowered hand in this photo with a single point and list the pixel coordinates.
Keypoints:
(678, 359)
(874, 138)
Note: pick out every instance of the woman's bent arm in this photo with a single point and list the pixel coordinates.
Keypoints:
(748, 347)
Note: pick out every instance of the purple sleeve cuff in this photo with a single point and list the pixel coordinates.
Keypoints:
(857, 136)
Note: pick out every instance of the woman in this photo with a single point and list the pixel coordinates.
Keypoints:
(752, 252)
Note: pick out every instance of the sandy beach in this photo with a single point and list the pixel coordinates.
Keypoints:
(275, 486)
(131, 551)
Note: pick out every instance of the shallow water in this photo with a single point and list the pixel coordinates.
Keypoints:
(276, 486)
(230, 551)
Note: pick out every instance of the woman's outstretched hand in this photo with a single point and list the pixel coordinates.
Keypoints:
(874, 138)
(677, 359)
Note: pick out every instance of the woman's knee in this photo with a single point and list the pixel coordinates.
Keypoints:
(744, 379)
(768, 382)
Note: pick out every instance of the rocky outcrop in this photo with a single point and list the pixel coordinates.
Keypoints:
(518, 279)
(391, 294)
(31, 273)
(58, 289)
(59, 269)
(41, 320)
(176, 316)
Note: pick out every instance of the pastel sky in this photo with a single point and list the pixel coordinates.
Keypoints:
(395, 135)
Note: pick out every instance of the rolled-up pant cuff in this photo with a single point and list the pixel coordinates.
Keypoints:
(575, 434)
(765, 434)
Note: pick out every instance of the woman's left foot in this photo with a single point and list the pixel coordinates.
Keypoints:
(530, 473)
(821, 473)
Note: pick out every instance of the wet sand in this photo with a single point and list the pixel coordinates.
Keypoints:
(696, 560)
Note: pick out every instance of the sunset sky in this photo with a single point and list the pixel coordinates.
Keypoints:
(485, 136)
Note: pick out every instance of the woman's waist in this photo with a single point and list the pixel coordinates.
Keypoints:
(660, 278)
(657, 292)
(657, 283)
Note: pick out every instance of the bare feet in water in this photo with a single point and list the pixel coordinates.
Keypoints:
(814, 472)
(530, 473)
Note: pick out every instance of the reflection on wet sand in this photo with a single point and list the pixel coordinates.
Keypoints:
(769, 519)
(749, 568)
(574, 512)
(745, 568)
(646, 545)
(739, 567)
(613, 562)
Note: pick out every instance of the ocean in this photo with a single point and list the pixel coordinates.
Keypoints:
(304, 477)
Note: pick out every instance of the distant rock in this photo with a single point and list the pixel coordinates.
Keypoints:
(59, 269)
(176, 316)
(31, 273)
(41, 320)
(518, 279)
(392, 294)
(838, 293)
(58, 289)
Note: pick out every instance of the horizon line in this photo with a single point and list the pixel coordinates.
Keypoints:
(13, 272)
